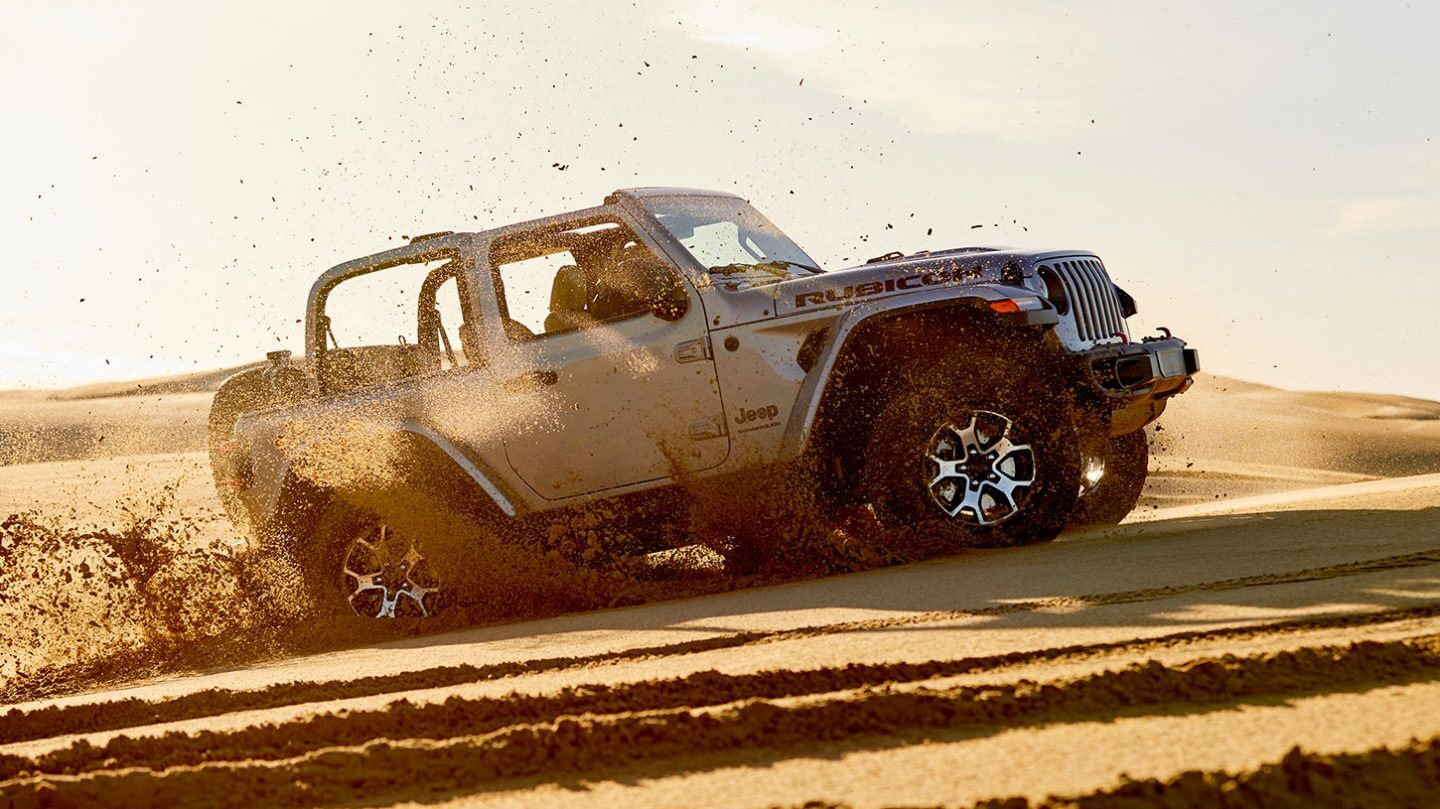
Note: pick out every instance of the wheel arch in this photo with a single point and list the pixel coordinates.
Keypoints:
(426, 459)
(866, 355)
(426, 441)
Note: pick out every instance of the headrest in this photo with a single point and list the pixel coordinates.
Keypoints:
(567, 293)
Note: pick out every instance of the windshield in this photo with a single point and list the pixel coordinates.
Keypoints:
(732, 240)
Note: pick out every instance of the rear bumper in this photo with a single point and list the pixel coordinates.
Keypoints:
(1155, 368)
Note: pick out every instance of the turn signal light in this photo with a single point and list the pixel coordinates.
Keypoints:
(1024, 303)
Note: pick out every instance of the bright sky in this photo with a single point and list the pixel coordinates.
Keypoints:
(1265, 178)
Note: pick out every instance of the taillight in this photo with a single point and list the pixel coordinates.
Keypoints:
(235, 471)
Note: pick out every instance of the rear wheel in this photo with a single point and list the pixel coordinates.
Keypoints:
(356, 560)
(1112, 481)
(996, 470)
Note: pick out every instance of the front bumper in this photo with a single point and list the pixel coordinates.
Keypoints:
(1155, 368)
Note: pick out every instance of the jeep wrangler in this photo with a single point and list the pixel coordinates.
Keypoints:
(670, 337)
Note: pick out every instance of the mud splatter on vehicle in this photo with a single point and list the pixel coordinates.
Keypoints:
(672, 350)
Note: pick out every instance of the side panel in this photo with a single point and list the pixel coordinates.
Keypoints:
(616, 405)
(609, 408)
(760, 371)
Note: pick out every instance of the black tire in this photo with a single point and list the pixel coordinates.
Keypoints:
(1110, 499)
(320, 556)
(325, 559)
(897, 474)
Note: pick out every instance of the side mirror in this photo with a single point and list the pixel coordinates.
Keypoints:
(1127, 303)
(671, 300)
(638, 284)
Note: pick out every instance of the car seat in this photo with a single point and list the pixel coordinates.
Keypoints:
(567, 300)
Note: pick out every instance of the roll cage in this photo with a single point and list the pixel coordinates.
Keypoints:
(482, 297)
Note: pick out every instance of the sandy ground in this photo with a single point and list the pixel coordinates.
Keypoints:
(1279, 588)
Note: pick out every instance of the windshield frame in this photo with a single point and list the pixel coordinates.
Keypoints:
(795, 262)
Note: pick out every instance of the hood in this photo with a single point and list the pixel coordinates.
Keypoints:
(878, 279)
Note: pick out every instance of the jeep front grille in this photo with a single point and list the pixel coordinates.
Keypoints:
(1094, 307)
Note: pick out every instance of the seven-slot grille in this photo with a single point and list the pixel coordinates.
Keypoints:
(1092, 299)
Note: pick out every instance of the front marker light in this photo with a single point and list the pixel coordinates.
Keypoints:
(1007, 306)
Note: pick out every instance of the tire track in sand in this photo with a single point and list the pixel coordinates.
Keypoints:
(1409, 776)
(1380, 777)
(25, 725)
(195, 770)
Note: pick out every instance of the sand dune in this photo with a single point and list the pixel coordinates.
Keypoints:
(1280, 587)
(35, 428)
(196, 382)
(1225, 437)
(1241, 422)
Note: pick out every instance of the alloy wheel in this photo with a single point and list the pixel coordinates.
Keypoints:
(978, 471)
(386, 576)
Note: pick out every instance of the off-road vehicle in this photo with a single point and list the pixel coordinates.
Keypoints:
(673, 339)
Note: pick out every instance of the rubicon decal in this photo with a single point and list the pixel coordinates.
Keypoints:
(929, 278)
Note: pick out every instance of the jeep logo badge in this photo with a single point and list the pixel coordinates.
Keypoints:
(747, 415)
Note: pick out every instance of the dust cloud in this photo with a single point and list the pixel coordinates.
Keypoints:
(143, 586)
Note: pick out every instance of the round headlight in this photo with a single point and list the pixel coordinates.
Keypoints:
(1055, 290)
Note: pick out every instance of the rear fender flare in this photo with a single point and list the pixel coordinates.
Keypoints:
(288, 502)
(474, 470)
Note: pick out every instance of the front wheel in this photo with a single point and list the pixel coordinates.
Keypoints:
(994, 472)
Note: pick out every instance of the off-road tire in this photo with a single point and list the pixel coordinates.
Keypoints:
(328, 555)
(319, 556)
(896, 473)
(1127, 461)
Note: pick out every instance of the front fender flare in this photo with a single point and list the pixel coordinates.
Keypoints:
(799, 428)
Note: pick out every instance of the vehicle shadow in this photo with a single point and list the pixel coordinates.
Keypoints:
(1229, 564)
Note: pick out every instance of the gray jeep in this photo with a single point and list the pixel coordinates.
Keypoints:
(674, 339)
